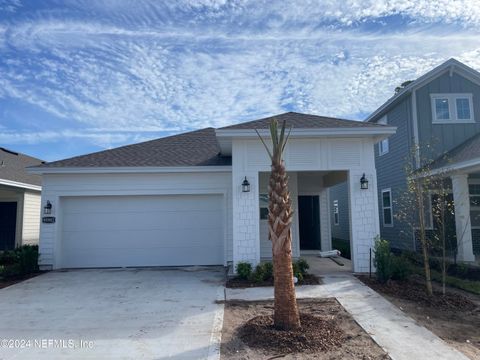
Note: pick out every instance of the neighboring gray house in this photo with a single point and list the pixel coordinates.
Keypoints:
(19, 200)
(439, 114)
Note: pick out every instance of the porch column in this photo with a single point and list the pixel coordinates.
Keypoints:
(246, 230)
(461, 199)
(325, 229)
(364, 218)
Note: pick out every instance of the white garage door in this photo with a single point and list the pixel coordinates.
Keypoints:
(111, 231)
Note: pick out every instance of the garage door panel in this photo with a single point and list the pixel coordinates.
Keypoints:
(141, 220)
(118, 204)
(139, 239)
(126, 257)
(142, 231)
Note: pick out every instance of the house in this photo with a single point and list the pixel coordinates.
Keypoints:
(437, 116)
(19, 200)
(198, 198)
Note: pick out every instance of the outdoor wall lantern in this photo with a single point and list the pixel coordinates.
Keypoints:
(47, 209)
(363, 182)
(245, 185)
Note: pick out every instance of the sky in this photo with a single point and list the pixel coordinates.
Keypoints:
(83, 76)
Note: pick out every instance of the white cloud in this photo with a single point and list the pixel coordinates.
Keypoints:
(174, 66)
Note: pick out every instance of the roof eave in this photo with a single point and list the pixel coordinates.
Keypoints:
(127, 169)
(21, 185)
(323, 132)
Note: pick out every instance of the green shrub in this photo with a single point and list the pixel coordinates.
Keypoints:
(268, 270)
(300, 268)
(244, 270)
(7, 257)
(401, 269)
(383, 260)
(259, 274)
(21, 261)
(27, 258)
(303, 266)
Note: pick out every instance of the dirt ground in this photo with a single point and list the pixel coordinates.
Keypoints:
(350, 340)
(309, 279)
(11, 281)
(454, 318)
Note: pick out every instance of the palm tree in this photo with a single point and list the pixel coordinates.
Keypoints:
(280, 215)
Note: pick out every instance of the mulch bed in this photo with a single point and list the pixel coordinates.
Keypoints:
(315, 334)
(415, 291)
(14, 280)
(328, 332)
(237, 283)
(454, 317)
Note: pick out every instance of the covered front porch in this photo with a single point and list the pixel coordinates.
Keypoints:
(313, 209)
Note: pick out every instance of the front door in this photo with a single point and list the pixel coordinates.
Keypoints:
(309, 222)
(8, 225)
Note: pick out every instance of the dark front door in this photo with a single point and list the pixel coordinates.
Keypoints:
(309, 222)
(8, 224)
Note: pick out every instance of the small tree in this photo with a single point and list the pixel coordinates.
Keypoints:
(280, 215)
(419, 182)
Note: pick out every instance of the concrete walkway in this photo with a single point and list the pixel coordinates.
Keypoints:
(395, 332)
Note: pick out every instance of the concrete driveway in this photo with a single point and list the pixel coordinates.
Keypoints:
(113, 314)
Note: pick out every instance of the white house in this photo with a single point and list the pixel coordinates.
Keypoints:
(179, 200)
(19, 200)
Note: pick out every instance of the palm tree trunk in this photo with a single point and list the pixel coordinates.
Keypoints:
(286, 316)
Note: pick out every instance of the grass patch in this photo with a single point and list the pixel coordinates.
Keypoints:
(463, 284)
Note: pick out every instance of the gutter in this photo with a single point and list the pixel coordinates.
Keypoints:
(128, 170)
(20, 185)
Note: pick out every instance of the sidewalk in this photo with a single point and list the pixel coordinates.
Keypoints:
(389, 327)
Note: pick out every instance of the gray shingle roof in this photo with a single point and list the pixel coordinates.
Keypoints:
(303, 121)
(195, 148)
(468, 150)
(13, 164)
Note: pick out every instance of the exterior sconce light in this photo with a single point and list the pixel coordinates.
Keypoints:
(245, 185)
(47, 209)
(363, 182)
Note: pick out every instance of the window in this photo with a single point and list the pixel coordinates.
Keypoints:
(335, 213)
(452, 108)
(387, 207)
(383, 147)
(263, 200)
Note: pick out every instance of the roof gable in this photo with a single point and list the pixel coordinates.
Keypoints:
(301, 121)
(451, 65)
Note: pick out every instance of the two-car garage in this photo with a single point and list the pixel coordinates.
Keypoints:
(158, 230)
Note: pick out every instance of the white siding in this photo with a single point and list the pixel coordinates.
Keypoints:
(265, 243)
(350, 156)
(58, 186)
(31, 218)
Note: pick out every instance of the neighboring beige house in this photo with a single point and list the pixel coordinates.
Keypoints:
(19, 200)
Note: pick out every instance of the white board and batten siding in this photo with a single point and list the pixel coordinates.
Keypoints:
(137, 220)
(31, 218)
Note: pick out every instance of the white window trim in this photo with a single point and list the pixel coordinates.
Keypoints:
(336, 211)
(381, 150)
(452, 108)
(388, 207)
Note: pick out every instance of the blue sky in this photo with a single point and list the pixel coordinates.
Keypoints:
(82, 76)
